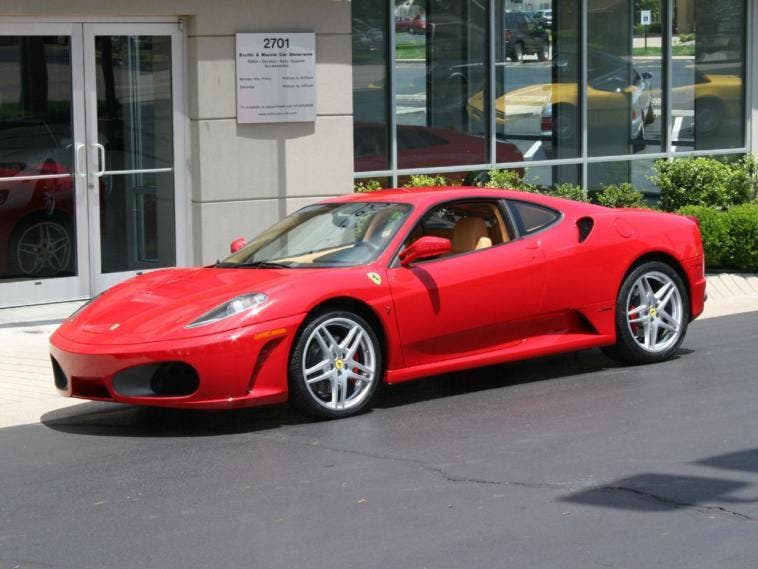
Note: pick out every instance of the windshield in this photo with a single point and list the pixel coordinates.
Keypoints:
(325, 235)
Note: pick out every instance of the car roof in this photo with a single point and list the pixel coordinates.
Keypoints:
(430, 196)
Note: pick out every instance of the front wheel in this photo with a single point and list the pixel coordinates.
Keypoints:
(544, 52)
(335, 366)
(651, 315)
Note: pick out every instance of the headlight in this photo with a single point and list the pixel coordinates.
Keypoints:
(234, 306)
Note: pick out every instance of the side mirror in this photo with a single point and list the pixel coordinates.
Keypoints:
(647, 75)
(238, 244)
(424, 248)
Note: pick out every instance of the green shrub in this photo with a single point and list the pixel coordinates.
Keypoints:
(686, 37)
(570, 192)
(508, 180)
(622, 195)
(425, 181)
(363, 186)
(714, 228)
(743, 237)
(705, 181)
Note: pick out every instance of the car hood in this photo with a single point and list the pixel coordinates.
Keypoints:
(159, 305)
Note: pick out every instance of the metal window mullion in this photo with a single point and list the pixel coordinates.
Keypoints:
(583, 8)
(492, 74)
(749, 51)
(392, 62)
(667, 52)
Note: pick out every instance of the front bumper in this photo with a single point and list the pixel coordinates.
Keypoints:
(236, 368)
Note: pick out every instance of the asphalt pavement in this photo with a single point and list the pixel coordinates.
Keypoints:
(563, 462)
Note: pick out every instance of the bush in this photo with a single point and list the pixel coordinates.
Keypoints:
(425, 181)
(570, 191)
(623, 195)
(742, 221)
(705, 181)
(364, 186)
(714, 227)
(508, 180)
(686, 37)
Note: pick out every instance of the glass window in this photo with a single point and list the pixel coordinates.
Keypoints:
(371, 132)
(624, 73)
(324, 235)
(634, 172)
(708, 101)
(441, 48)
(469, 226)
(37, 215)
(531, 217)
(537, 76)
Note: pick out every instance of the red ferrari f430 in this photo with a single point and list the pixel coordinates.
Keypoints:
(387, 287)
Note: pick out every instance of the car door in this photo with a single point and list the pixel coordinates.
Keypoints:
(470, 301)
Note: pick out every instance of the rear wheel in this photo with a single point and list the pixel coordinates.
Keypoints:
(518, 52)
(651, 315)
(543, 52)
(335, 366)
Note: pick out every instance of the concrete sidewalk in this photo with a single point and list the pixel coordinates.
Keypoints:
(26, 379)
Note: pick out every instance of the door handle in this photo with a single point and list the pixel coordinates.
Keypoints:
(79, 164)
(100, 159)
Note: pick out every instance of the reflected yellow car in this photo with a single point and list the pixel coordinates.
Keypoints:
(716, 98)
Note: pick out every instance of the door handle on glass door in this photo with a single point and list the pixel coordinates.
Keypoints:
(79, 165)
(100, 159)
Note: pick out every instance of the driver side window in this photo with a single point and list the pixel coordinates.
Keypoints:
(469, 226)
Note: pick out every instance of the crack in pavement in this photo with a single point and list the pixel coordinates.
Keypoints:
(444, 474)
(679, 504)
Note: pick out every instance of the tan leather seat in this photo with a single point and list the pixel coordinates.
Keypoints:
(470, 234)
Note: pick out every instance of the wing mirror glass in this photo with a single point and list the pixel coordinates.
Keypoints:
(424, 248)
(647, 75)
(238, 244)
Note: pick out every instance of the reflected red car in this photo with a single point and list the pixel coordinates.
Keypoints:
(424, 147)
(36, 221)
(386, 287)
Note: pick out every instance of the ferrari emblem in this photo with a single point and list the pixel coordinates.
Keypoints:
(375, 278)
(653, 312)
(339, 364)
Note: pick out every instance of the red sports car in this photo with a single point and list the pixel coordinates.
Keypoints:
(386, 287)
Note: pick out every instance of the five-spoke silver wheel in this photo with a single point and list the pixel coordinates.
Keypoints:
(43, 249)
(654, 311)
(652, 314)
(335, 365)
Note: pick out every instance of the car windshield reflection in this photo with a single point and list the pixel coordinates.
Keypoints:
(325, 235)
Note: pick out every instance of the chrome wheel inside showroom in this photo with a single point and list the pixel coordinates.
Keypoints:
(651, 314)
(43, 248)
(335, 366)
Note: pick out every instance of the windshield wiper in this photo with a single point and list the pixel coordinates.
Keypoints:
(262, 265)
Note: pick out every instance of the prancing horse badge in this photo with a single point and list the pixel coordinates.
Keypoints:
(375, 278)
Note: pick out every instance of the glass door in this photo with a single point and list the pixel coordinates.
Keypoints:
(43, 208)
(133, 101)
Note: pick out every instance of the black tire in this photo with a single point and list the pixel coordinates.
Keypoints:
(628, 348)
(518, 52)
(650, 114)
(52, 262)
(544, 51)
(312, 401)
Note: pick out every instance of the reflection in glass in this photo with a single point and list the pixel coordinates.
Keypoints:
(137, 222)
(537, 73)
(624, 80)
(134, 109)
(440, 49)
(708, 102)
(37, 216)
(635, 172)
(370, 109)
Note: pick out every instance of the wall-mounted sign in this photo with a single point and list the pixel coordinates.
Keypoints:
(276, 77)
(645, 19)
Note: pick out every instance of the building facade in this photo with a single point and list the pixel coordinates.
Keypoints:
(121, 148)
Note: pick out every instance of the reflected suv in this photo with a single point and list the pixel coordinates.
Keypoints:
(522, 35)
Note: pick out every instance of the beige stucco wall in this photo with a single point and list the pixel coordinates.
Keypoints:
(244, 177)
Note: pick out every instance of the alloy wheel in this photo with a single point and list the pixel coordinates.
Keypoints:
(655, 312)
(339, 364)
